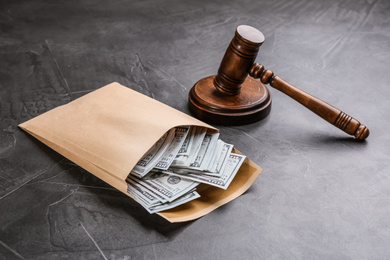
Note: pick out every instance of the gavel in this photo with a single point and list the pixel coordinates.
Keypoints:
(233, 98)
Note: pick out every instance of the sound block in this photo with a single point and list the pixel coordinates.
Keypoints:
(210, 105)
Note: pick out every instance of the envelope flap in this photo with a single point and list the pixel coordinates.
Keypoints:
(111, 127)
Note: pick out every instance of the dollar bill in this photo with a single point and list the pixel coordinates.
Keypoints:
(216, 166)
(213, 156)
(169, 205)
(139, 198)
(170, 153)
(153, 155)
(185, 160)
(188, 142)
(223, 152)
(232, 166)
(147, 196)
(166, 186)
(205, 154)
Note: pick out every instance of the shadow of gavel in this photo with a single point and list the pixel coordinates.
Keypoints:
(233, 98)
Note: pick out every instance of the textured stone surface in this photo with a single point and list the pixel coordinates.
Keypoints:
(322, 195)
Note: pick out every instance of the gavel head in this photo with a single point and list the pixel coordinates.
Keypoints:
(238, 59)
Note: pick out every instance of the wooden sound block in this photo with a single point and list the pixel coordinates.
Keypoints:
(208, 104)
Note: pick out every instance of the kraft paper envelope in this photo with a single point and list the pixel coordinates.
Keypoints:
(108, 130)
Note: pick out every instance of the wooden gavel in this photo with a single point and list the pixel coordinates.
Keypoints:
(233, 98)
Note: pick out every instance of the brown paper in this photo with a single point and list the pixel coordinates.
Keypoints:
(107, 131)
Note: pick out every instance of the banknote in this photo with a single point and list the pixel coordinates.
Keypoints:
(150, 198)
(213, 157)
(169, 205)
(232, 166)
(216, 166)
(146, 198)
(153, 155)
(202, 159)
(185, 160)
(188, 142)
(139, 198)
(223, 151)
(167, 186)
(173, 148)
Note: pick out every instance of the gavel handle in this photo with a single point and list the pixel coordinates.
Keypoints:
(328, 112)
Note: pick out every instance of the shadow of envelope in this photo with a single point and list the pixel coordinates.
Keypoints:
(108, 130)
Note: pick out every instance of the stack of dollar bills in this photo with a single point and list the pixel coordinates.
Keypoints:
(168, 174)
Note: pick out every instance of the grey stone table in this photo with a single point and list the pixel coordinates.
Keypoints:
(321, 195)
